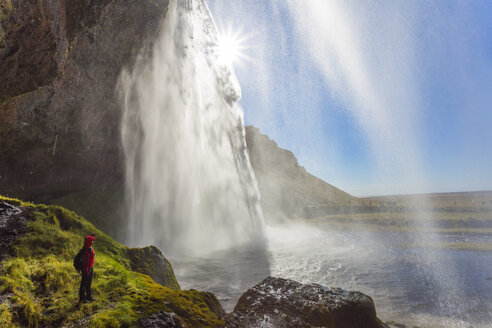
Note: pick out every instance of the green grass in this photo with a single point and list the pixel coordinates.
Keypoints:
(41, 285)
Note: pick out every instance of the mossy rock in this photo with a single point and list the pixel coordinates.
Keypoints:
(150, 261)
(39, 286)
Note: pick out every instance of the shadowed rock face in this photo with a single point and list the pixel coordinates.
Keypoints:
(29, 54)
(277, 302)
(59, 118)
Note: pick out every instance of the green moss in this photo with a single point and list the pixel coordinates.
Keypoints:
(150, 261)
(43, 284)
(6, 317)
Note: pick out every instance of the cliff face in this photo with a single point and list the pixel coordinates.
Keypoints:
(59, 116)
(287, 190)
(59, 119)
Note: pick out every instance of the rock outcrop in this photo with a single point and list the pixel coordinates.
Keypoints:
(277, 302)
(287, 190)
(13, 220)
(150, 261)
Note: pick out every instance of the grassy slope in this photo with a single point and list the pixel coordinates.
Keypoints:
(41, 286)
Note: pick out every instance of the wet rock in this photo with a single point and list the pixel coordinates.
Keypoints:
(160, 320)
(150, 261)
(13, 221)
(277, 302)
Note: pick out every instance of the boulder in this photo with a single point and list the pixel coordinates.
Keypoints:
(150, 261)
(277, 302)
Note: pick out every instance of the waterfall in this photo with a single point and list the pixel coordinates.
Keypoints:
(189, 183)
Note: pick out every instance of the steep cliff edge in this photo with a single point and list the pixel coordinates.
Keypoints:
(287, 190)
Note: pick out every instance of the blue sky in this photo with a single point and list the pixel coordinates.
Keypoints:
(374, 97)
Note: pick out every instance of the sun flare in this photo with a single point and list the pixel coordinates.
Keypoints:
(230, 47)
(228, 50)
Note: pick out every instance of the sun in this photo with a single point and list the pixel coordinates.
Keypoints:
(228, 50)
(230, 47)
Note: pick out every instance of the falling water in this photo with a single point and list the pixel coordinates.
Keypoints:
(190, 186)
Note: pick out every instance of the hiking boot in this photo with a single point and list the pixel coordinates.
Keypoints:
(90, 299)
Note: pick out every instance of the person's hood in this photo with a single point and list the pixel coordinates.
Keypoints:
(88, 241)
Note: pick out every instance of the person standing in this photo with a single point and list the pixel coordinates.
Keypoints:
(88, 256)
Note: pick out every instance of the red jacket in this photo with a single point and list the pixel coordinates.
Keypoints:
(89, 254)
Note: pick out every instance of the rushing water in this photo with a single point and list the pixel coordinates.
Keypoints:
(402, 280)
(190, 185)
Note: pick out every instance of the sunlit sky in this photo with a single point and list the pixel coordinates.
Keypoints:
(374, 97)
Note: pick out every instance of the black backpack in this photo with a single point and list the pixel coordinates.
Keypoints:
(78, 261)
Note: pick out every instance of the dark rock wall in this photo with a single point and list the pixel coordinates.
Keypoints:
(32, 45)
(60, 119)
(59, 116)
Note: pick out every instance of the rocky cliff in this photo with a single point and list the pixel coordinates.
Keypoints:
(59, 118)
(287, 190)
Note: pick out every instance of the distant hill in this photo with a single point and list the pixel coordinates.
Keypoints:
(287, 190)
(476, 201)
